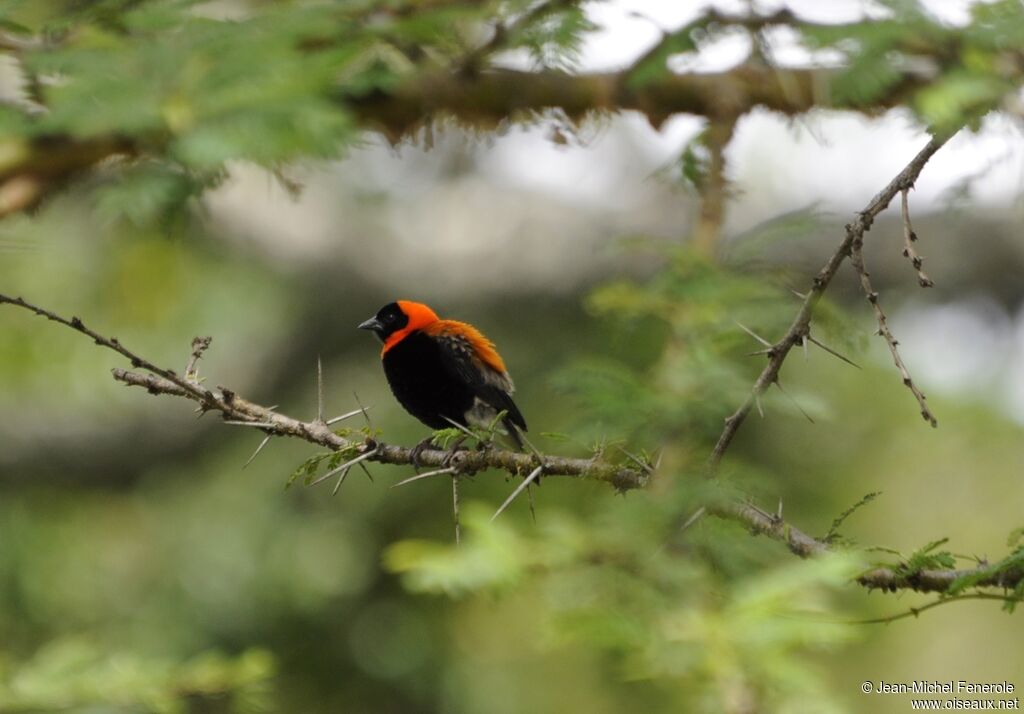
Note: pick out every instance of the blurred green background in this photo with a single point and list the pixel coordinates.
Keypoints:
(142, 568)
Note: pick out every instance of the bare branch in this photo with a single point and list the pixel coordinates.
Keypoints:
(916, 611)
(857, 259)
(909, 238)
(199, 345)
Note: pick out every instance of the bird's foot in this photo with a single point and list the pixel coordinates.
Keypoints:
(417, 451)
(449, 456)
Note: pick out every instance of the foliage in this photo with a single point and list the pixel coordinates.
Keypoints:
(715, 643)
(76, 674)
(686, 335)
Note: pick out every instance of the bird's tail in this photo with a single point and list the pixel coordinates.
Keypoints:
(513, 433)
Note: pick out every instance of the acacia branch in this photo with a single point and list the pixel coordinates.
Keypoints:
(889, 579)
(238, 410)
(800, 328)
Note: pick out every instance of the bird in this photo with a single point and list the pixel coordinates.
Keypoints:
(444, 371)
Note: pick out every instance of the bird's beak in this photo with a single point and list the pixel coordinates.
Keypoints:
(372, 324)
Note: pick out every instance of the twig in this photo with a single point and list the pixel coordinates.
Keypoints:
(199, 345)
(915, 611)
(888, 579)
(909, 238)
(801, 323)
(185, 387)
(857, 259)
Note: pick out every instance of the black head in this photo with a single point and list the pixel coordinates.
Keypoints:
(388, 320)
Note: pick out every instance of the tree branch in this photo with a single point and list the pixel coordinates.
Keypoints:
(888, 579)
(236, 409)
(800, 328)
(857, 259)
(485, 98)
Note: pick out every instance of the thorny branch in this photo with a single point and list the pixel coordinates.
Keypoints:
(800, 328)
(237, 410)
(882, 578)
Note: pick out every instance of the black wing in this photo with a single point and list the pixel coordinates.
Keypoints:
(490, 386)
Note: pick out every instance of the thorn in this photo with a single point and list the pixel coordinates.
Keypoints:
(526, 482)
(529, 499)
(833, 352)
(366, 471)
(795, 402)
(363, 409)
(417, 477)
(803, 342)
(257, 424)
(636, 460)
(459, 426)
(753, 334)
(757, 403)
(319, 390)
(693, 519)
(802, 296)
(346, 465)
(778, 512)
(341, 480)
(259, 448)
(347, 415)
(455, 509)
